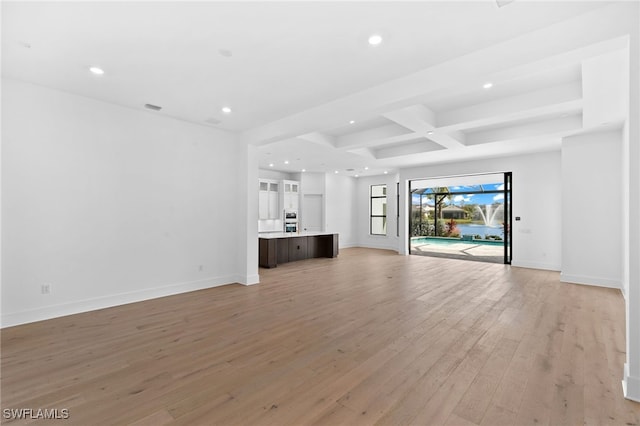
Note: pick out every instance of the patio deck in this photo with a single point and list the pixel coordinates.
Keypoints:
(467, 250)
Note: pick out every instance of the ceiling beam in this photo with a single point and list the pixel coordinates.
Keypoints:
(506, 60)
(320, 139)
(421, 120)
(364, 152)
(565, 98)
(525, 130)
(382, 135)
(407, 149)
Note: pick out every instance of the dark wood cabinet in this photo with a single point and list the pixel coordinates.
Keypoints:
(268, 252)
(312, 247)
(274, 251)
(297, 248)
(283, 252)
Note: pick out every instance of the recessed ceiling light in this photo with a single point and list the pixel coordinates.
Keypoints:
(366, 168)
(96, 70)
(375, 39)
(430, 132)
(286, 161)
(487, 85)
(385, 172)
(271, 165)
(226, 110)
(336, 172)
(357, 176)
(351, 122)
(304, 170)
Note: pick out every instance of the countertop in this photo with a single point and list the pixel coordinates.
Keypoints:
(271, 235)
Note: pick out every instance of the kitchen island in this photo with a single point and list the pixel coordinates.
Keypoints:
(280, 247)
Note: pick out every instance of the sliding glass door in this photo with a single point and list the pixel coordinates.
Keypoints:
(466, 217)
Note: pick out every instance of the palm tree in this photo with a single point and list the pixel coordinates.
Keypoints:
(439, 195)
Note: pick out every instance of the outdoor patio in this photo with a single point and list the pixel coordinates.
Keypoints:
(467, 250)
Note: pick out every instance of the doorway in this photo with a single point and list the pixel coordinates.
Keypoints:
(311, 215)
(462, 217)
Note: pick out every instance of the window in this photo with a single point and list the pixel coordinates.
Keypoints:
(397, 209)
(378, 219)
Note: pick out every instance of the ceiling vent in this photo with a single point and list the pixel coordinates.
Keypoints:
(153, 107)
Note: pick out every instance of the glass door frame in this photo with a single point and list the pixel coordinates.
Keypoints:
(507, 192)
(508, 217)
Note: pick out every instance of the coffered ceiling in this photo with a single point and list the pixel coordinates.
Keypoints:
(306, 87)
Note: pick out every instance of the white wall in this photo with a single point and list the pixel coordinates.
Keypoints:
(109, 205)
(605, 88)
(591, 209)
(246, 213)
(274, 174)
(362, 225)
(338, 193)
(340, 208)
(312, 183)
(536, 199)
(631, 185)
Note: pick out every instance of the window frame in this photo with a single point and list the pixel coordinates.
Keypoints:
(371, 215)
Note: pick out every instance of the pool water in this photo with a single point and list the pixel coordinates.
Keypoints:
(442, 241)
(473, 229)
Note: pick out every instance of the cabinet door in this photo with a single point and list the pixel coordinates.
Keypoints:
(268, 256)
(263, 199)
(295, 194)
(313, 247)
(263, 205)
(274, 210)
(282, 249)
(297, 248)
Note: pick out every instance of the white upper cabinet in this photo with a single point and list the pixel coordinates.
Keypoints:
(275, 196)
(269, 199)
(291, 194)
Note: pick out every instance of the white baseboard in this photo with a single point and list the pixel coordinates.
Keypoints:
(348, 245)
(76, 307)
(630, 385)
(248, 279)
(594, 281)
(535, 265)
(377, 246)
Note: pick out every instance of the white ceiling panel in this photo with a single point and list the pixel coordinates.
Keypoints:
(296, 73)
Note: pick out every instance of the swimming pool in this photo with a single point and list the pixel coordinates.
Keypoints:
(474, 229)
(443, 241)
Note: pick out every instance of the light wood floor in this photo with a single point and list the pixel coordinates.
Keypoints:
(368, 338)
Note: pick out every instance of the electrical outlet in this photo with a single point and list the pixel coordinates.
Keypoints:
(45, 288)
